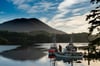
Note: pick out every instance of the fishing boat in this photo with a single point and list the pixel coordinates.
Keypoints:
(70, 52)
(69, 56)
(53, 48)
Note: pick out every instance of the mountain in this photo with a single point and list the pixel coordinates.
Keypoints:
(27, 25)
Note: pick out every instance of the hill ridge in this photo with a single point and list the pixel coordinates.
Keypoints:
(27, 25)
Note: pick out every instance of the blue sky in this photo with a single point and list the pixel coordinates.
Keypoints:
(65, 15)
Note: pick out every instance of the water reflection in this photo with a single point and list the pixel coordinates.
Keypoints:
(35, 56)
(24, 53)
(92, 57)
(91, 53)
(70, 61)
(54, 61)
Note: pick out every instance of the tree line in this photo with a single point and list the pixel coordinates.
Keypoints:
(15, 38)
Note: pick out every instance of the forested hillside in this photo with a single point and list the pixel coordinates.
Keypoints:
(38, 37)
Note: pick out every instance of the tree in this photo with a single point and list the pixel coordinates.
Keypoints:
(95, 1)
(94, 21)
(94, 18)
(95, 15)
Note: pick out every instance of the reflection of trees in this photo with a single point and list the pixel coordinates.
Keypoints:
(92, 57)
(93, 53)
(24, 53)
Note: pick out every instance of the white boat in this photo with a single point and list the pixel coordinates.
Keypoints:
(70, 52)
(69, 55)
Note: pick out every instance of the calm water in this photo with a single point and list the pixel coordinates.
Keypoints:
(36, 56)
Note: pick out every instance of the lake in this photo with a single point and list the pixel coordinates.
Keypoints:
(12, 55)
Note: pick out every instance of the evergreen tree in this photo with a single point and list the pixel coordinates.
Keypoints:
(94, 20)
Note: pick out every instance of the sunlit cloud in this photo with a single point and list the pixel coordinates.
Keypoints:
(69, 18)
(44, 19)
(65, 6)
(74, 24)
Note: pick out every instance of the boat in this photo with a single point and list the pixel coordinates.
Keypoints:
(69, 56)
(53, 48)
(70, 52)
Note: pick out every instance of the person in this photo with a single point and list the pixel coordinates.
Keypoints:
(60, 48)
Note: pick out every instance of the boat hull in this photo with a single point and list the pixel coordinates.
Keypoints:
(69, 56)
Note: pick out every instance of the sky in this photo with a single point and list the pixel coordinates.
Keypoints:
(66, 15)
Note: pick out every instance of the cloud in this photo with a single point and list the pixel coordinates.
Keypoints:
(42, 7)
(74, 24)
(64, 9)
(71, 16)
(44, 19)
(33, 7)
(65, 4)
(19, 2)
(24, 6)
